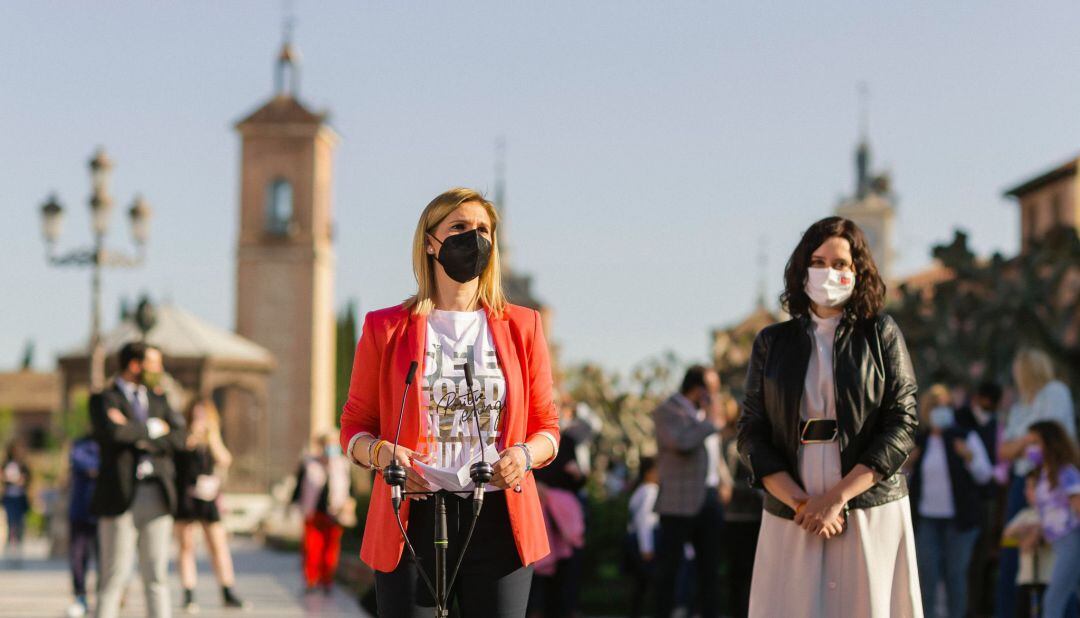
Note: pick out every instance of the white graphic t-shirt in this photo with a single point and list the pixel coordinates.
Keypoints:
(454, 338)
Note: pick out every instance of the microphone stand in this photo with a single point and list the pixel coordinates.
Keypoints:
(481, 472)
(395, 475)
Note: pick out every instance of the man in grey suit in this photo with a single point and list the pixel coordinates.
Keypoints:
(135, 494)
(693, 479)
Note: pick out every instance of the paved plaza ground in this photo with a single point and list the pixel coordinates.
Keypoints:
(38, 587)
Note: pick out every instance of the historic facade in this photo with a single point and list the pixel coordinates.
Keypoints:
(201, 360)
(873, 208)
(285, 261)
(965, 317)
(30, 398)
(1049, 200)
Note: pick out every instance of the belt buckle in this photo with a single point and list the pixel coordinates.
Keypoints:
(804, 440)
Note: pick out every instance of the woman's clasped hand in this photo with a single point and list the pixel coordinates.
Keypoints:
(821, 515)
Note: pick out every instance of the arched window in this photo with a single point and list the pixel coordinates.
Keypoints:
(279, 207)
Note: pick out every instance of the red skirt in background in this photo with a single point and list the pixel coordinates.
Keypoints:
(322, 546)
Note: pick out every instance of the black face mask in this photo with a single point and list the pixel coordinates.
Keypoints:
(464, 256)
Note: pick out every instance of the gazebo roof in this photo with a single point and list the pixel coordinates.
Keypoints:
(178, 333)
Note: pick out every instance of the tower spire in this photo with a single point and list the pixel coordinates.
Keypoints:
(500, 197)
(287, 72)
(862, 151)
(864, 111)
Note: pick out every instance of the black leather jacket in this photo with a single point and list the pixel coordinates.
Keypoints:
(875, 404)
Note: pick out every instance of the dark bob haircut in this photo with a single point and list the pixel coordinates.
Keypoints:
(868, 298)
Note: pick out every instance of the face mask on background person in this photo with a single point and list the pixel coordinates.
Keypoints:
(151, 379)
(464, 256)
(332, 450)
(829, 287)
(1034, 455)
(942, 417)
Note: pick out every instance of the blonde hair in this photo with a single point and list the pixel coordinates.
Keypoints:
(489, 291)
(1032, 370)
(935, 396)
(213, 420)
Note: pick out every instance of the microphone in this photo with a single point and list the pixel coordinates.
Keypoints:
(481, 471)
(395, 474)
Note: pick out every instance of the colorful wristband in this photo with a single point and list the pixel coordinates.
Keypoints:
(528, 455)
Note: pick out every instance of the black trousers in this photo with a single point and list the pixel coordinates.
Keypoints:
(82, 544)
(1029, 597)
(740, 545)
(703, 531)
(492, 580)
(982, 574)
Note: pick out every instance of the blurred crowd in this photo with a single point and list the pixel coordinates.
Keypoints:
(995, 494)
(994, 479)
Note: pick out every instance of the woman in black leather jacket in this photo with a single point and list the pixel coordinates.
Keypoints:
(828, 419)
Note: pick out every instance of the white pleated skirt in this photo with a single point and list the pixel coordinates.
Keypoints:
(869, 571)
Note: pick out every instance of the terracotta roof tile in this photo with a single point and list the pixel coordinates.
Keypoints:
(283, 109)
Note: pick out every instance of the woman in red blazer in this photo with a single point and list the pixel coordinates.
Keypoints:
(459, 315)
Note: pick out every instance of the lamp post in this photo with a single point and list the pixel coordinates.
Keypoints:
(96, 256)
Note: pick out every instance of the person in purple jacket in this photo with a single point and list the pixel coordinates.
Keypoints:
(85, 458)
(1057, 496)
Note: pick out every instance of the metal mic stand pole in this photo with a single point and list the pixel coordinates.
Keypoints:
(480, 472)
(442, 540)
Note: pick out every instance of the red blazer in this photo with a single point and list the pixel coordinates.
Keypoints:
(394, 337)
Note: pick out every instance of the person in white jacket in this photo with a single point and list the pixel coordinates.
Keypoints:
(642, 528)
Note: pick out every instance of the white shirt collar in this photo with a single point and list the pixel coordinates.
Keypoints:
(130, 389)
(981, 416)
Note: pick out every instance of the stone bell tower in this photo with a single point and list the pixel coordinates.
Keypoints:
(285, 261)
(873, 204)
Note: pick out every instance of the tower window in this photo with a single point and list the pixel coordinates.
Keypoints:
(279, 207)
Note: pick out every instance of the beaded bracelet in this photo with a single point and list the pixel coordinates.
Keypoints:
(375, 461)
(528, 455)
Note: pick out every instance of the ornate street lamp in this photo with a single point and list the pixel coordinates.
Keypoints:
(52, 216)
(140, 221)
(96, 256)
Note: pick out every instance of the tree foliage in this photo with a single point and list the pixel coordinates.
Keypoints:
(625, 403)
(345, 348)
(969, 327)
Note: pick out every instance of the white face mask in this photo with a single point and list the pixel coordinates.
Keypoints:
(829, 287)
(942, 417)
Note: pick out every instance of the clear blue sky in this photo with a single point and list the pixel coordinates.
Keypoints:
(650, 145)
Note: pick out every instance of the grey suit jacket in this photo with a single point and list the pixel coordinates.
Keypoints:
(682, 459)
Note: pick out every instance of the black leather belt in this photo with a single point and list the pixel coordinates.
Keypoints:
(818, 431)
